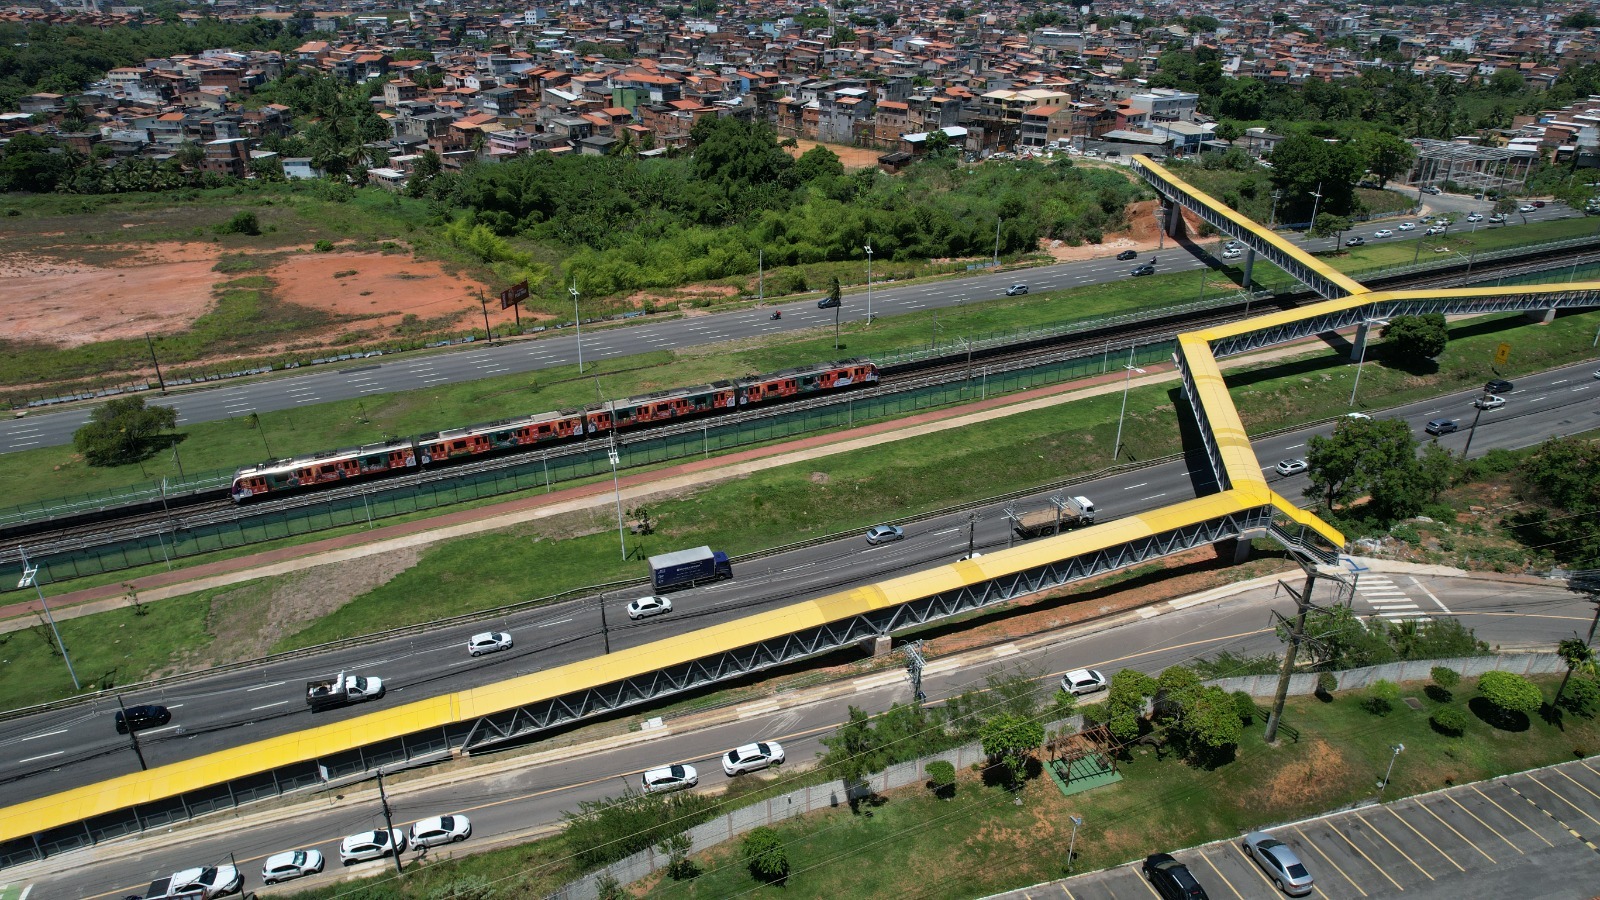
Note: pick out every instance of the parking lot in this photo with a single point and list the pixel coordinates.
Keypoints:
(1535, 834)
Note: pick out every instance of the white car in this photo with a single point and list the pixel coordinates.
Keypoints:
(1475, 217)
(440, 830)
(1232, 254)
(291, 865)
(1489, 401)
(669, 778)
(1525, 208)
(371, 845)
(1383, 232)
(1434, 229)
(751, 757)
(488, 642)
(1406, 226)
(210, 881)
(1084, 681)
(1289, 467)
(644, 607)
(1359, 417)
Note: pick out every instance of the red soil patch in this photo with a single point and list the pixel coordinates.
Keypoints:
(852, 157)
(163, 288)
(1142, 235)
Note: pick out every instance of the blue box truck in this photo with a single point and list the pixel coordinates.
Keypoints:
(687, 568)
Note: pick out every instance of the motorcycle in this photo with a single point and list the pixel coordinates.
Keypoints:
(777, 314)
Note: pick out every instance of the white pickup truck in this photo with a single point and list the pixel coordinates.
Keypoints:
(325, 693)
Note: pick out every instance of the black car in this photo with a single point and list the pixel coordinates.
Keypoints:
(829, 302)
(138, 718)
(1128, 254)
(1171, 878)
(1497, 386)
(1145, 269)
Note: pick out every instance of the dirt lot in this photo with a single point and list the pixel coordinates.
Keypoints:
(1143, 235)
(852, 157)
(163, 287)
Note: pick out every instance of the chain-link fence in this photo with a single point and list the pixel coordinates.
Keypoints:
(545, 470)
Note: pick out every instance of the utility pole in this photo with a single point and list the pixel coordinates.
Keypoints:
(997, 222)
(868, 248)
(150, 342)
(972, 532)
(577, 320)
(1477, 413)
(605, 630)
(761, 276)
(1297, 633)
(1272, 223)
(484, 302)
(388, 824)
(133, 734)
(616, 484)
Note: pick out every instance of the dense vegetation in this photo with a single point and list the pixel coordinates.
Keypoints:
(641, 224)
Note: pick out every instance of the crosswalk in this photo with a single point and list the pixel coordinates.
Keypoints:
(1389, 600)
(15, 892)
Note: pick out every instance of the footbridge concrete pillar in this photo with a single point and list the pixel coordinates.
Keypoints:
(1249, 266)
(1172, 220)
(1541, 316)
(1358, 347)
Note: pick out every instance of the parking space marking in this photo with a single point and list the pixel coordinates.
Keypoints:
(1578, 783)
(1563, 800)
(1568, 828)
(1312, 844)
(1475, 818)
(1513, 817)
(1364, 856)
(1252, 865)
(1405, 854)
(1222, 876)
(1424, 837)
(1456, 833)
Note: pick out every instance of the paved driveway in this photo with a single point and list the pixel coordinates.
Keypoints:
(1536, 834)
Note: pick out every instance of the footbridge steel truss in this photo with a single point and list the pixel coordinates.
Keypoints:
(1242, 507)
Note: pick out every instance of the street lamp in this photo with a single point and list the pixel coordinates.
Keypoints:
(577, 320)
(30, 576)
(1315, 205)
(1072, 842)
(1116, 451)
(1362, 361)
(616, 485)
(1385, 782)
(868, 248)
(997, 222)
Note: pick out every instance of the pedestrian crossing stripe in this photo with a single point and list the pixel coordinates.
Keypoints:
(15, 892)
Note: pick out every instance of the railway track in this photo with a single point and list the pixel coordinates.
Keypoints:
(958, 364)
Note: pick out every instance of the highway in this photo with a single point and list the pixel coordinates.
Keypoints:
(54, 751)
(508, 800)
(361, 378)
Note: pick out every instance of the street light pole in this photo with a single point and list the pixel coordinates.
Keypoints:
(1072, 842)
(1116, 451)
(1315, 206)
(1362, 360)
(616, 485)
(997, 222)
(1385, 782)
(30, 575)
(577, 320)
(868, 248)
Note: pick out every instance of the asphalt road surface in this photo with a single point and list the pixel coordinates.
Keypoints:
(361, 378)
(54, 751)
(516, 802)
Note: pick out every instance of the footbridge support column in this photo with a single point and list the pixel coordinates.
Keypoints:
(1172, 220)
(1237, 550)
(1249, 266)
(1358, 347)
(1541, 316)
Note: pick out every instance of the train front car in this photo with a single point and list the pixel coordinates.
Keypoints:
(495, 437)
(283, 476)
(819, 378)
(663, 406)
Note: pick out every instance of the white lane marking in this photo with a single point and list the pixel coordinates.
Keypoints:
(307, 400)
(1425, 590)
(369, 390)
(264, 686)
(167, 727)
(1153, 496)
(556, 622)
(268, 705)
(45, 735)
(175, 706)
(1562, 381)
(945, 532)
(435, 380)
(36, 758)
(1295, 447)
(1139, 485)
(23, 443)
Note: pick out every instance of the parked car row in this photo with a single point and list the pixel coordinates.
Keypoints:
(1172, 879)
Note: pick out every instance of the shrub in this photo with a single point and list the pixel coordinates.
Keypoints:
(1445, 677)
(323, 246)
(942, 779)
(1448, 720)
(764, 853)
(1246, 705)
(242, 223)
(1509, 693)
(679, 866)
(1582, 697)
(1327, 683)
(1381, 697)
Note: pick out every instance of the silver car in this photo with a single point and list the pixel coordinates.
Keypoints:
(488, 642)
(1280, 863)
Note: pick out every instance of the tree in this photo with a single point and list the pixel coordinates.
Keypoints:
(851, 748)
(1436, 469)
(764, 854)
(122, 431)
(1177, 688)
(1228, 130)
(1415, 339)
(937, 143)
(1385, 154)
(1012, 739)
(1366, 456)
(818, 162)
(834, 292)
(676, 848)
(1562, 478)
(1578, 656)
(1213, 724)
(1341, 640)
(1124, 706)
(1509, 693)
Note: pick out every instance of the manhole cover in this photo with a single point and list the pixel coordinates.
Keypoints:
(1414, 703)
